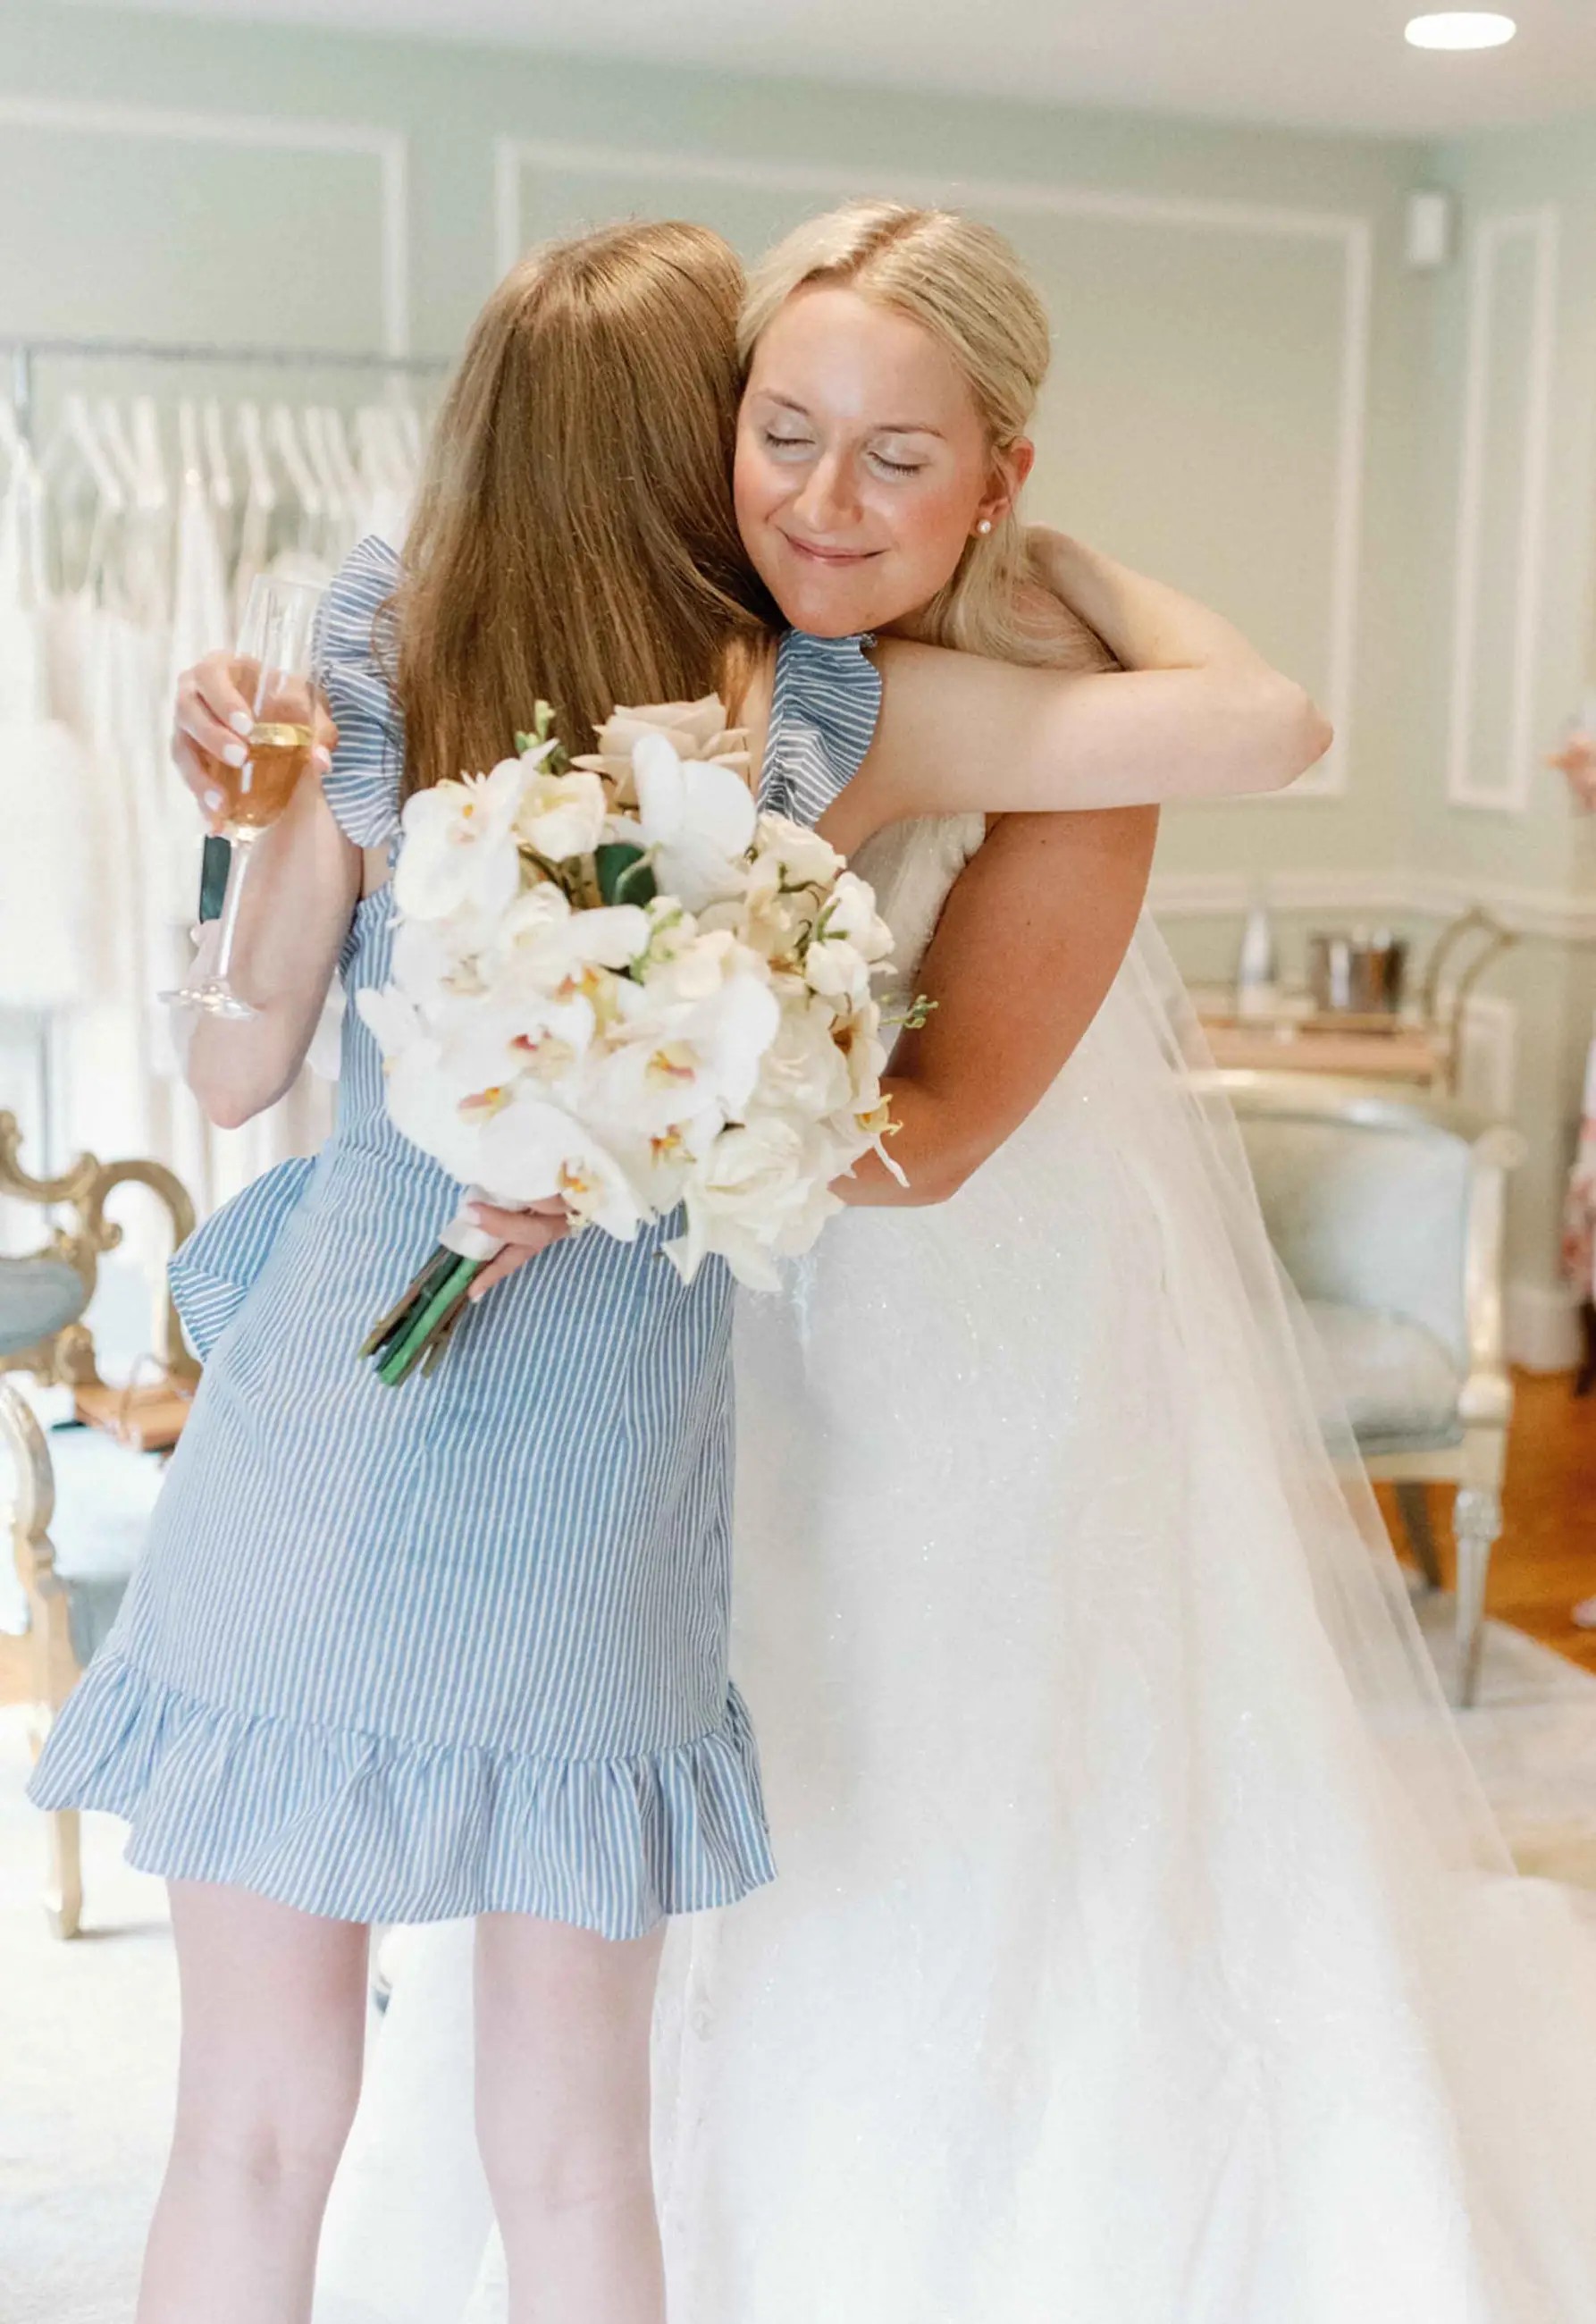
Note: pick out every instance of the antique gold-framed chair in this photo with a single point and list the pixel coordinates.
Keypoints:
(72, 1574)
(1385, 1208)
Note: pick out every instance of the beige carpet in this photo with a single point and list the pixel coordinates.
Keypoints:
(88, 2030)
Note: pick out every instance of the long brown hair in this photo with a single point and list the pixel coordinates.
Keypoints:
(574, 541)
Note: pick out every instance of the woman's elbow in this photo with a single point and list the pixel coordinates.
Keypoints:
(1296, 733)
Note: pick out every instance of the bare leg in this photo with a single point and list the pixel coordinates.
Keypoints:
(273, 2025)
(563, 2026)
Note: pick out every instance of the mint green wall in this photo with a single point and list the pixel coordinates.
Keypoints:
(1202, 284)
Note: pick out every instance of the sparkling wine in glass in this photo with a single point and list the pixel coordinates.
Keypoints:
(274, 650)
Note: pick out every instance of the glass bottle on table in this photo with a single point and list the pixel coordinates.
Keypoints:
(274, 648)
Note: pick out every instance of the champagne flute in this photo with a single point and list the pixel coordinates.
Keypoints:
(274, 644)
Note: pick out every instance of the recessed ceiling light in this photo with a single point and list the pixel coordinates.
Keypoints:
(1461, 28)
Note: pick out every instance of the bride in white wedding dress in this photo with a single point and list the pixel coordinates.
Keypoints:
(1142, 1952)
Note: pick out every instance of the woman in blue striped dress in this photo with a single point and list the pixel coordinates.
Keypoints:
(463, 1650)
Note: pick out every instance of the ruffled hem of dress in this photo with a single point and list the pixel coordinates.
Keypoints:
(360, 1827)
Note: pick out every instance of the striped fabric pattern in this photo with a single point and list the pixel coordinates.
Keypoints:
(461, 1647)
(823, 713)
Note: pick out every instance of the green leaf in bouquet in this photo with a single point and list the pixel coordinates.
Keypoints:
(637, 885)
(626, 876)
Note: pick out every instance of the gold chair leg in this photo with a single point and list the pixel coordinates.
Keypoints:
(64, 1883)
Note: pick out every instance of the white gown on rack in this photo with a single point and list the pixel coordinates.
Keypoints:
(1143, 1950)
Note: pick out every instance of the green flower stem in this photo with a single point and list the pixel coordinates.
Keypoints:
(421, 1287)
(396, 1366)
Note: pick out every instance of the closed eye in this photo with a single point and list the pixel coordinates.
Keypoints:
(897, 467)
(787, 443)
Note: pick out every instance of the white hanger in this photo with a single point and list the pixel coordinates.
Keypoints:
(342, 460)
(112, 426)
(285, 440)
(78, 429)
(328, 481)
(216, 450)
(385, 447)
(409, 433)
(154, 484)
(188, 452)
(262, 490)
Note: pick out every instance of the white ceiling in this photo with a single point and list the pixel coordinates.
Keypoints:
(1331, 63)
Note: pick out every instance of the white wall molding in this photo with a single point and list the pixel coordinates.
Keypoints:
(387, 149)
(831, 182)
(1540, 227)
(1554, 915)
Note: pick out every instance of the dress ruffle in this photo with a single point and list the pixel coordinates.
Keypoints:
(368, 1828)
(212, 1272)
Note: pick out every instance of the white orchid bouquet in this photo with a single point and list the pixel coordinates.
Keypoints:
(615, 981)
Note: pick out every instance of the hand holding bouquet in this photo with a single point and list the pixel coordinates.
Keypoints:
(616, 982)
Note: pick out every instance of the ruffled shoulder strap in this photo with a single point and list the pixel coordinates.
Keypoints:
(351, 661)
(823, 711)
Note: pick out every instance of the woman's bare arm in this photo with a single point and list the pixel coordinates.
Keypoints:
(302, 888)
(1197, 712)
(1029, 941)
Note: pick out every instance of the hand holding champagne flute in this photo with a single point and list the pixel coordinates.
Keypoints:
(247, 783)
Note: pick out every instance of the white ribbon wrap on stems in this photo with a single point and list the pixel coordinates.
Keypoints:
(469, 1239)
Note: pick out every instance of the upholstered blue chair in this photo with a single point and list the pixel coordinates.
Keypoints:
(77, 1501)
(1385, 1207)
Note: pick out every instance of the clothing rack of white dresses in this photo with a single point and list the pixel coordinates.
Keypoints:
(23, 352)
(134, 518)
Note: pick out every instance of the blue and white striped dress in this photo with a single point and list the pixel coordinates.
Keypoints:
(460, 1647)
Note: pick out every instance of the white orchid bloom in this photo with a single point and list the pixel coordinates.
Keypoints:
(532, 1150)
(698, 818)
(561, 816)
(392, 1017)
(436, 960)
(459, 849)
(690, 1066)
(543, 944)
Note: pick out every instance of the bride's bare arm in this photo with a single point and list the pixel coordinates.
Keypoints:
(1030, 940)
(1196, 713)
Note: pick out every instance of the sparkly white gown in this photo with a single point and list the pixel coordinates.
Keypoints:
(1143, 1951)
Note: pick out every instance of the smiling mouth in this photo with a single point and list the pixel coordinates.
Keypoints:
(829, 556)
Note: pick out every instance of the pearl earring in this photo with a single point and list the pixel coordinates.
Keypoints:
(985, 525)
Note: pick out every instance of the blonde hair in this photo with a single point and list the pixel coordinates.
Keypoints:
(963, 284)
(574, 539)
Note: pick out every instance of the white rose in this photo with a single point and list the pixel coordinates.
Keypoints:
(738, 1198)
(695, 730)
(805, 1071)
(800, 856)
(561, 816)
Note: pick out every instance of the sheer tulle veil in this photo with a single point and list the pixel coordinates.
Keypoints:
(1143, 1945)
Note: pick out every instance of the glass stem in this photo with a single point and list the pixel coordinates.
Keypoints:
(238, 865)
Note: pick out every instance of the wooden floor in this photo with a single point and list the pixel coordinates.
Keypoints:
(1545, 1561)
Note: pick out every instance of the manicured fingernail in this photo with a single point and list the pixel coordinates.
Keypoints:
(321, 759)
(215, 799)
(240, 722)
(235, 754)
